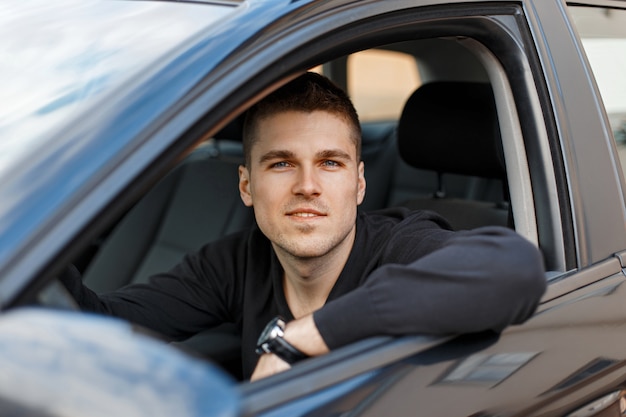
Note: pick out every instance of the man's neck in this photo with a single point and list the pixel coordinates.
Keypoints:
(308, 282)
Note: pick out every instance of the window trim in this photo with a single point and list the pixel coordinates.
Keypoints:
(521, 189)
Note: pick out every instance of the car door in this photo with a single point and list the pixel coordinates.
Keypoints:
(548, 113)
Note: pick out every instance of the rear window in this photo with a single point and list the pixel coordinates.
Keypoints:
(380, 82)
(603, 34)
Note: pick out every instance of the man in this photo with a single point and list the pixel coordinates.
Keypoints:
(333, 274)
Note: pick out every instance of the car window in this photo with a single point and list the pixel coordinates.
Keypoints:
(603, 34)
(379, 83)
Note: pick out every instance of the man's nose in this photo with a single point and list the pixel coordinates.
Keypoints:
(307, 182)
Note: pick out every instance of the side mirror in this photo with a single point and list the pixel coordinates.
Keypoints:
(64, 363)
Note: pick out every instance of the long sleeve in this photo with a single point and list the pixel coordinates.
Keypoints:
(484, 279)
(86, 298)
(202, 291)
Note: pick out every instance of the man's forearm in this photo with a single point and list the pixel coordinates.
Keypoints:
(485, 279)
(303, 334)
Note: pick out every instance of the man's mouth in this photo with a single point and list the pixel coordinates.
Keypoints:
(304, 215)
(308, 213)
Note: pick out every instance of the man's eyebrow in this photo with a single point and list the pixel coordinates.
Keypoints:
(334, 154)
(276, 154)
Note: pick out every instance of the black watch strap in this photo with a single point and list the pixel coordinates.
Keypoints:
(272, 341)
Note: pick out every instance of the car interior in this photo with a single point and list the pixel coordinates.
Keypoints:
(440, 149)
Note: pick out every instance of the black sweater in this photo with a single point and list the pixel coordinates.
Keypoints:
(407, 274)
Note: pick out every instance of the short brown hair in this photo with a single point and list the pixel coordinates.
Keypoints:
(307, 93)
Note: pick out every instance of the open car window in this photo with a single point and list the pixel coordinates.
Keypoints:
(474, 179)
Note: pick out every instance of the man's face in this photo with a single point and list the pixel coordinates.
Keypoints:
(304, 182)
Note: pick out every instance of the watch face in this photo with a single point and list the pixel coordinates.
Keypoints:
(271, 332)
(271, 341)
(266, 333)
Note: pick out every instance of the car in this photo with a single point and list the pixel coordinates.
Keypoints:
(120, 137)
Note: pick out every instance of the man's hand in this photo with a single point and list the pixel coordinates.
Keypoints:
(303, 335)
(268, 364)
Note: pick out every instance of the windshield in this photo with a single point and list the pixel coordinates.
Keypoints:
(57, 57)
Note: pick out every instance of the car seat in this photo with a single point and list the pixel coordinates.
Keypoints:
(378, 152)
(452, 128)
(196, 203)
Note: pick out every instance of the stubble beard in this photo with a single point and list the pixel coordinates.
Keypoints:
(318, 247)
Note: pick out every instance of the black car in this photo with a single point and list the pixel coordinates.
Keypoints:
(120, 138)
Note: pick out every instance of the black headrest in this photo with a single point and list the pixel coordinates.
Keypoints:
(232, 131)
(452, 127)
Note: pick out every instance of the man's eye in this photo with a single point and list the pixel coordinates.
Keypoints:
(331, 163)
(281, 164)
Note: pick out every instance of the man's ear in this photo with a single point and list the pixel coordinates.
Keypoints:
(361, 184)
(244, 186)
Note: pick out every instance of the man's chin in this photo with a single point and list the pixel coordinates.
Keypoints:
(305, 253)
(297, 249)
(312, 244)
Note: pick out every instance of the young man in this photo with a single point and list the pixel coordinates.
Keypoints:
(334, 275)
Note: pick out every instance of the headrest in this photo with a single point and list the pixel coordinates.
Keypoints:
(233, 130)
(452, 127)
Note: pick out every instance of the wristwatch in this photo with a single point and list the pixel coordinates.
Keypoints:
(272, 341)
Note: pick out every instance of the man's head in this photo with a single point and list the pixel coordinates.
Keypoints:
(307, 93)
(303, 174)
